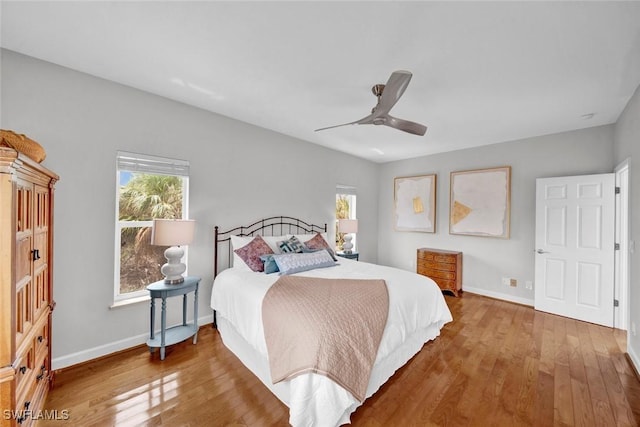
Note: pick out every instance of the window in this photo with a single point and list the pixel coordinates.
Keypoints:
(345, 209)
(147, 187)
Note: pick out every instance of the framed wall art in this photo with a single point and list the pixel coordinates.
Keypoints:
(415, 203)
(480, 202)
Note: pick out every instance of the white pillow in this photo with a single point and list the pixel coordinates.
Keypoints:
(272, 241)
(238, 242)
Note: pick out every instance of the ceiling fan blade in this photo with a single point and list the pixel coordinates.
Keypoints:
(364, 121)
(393, 90)
(388, 95)
(405, 125)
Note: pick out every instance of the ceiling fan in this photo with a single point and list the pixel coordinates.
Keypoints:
(388, 95)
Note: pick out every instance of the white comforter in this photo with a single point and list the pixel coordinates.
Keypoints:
(416, 305)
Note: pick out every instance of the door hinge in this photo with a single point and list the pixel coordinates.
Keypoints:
(616, 303)
(616, 247)
(617, 190)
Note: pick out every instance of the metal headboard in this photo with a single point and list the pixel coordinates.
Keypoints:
(273, 226)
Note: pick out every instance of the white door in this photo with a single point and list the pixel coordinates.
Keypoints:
(574, 267)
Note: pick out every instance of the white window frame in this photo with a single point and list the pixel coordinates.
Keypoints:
(352, 196)
(144, 163)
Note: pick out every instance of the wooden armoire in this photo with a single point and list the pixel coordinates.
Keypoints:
(26, 286)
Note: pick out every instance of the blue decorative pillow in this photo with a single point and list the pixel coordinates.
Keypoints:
(292, 245)
(329, 251)
(296, 262)
(270, 265)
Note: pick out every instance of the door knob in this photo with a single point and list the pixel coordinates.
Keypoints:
(540, 251)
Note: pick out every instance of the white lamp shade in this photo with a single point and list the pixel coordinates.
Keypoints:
(172, 232)
(348, 225)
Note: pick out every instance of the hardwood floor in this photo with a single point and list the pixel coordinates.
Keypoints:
(497, 364)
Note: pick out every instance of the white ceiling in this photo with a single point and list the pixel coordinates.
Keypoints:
(483, 72)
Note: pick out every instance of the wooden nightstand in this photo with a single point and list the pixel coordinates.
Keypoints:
(444, 267)
(178, 333)
(352, 255)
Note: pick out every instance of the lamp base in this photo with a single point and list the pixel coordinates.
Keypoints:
(347, 246)
(173, 269)
(174, 281)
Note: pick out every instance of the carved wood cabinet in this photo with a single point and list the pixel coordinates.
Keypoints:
(444, 267)
(26, 286)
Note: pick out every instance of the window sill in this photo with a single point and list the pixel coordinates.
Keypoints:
(129, 301)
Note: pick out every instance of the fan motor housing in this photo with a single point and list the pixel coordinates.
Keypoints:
(377, 89)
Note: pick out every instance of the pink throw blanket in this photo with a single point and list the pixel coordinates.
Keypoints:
(332, 327)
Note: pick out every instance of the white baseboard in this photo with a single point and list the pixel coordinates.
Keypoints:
(109, 348)
(498, 295)
(633, 357)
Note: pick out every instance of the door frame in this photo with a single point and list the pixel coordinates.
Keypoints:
(621, 257)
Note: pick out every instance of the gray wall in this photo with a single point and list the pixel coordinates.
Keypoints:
(486, 260)
(239, 173)
(627, 145)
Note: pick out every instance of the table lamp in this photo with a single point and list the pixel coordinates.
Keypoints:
(174, 233)
(347, 226)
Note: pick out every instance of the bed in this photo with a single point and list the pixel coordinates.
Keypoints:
(416, 313)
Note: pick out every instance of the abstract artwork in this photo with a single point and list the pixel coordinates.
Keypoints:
(480, 202)
(415, 203)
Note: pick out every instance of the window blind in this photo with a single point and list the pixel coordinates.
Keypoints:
(345, 189)
(145, 163)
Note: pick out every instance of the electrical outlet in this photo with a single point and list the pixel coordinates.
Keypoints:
(513, 283)
(506, 281)
(528, 284)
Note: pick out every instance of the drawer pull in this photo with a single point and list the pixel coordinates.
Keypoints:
(42, 371)
(23, 369)
(35, 254)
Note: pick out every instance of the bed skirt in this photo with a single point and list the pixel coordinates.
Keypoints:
(333, 405)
